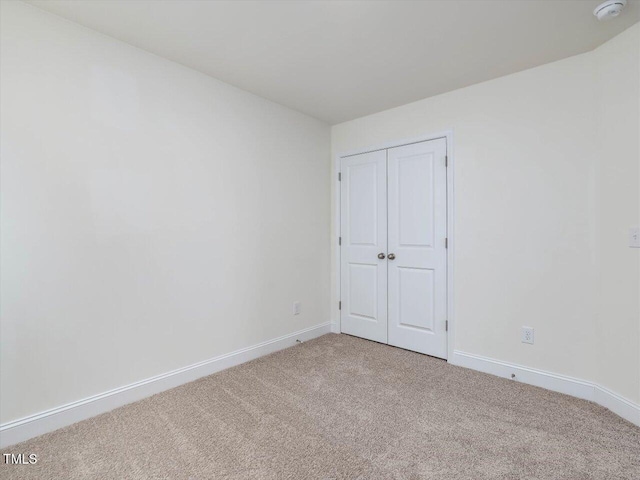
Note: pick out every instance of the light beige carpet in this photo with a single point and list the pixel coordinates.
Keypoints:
(342, 407)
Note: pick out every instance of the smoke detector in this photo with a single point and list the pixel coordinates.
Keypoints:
(609, 9)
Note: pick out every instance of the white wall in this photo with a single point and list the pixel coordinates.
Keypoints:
(531, 238)
(524, 242)
(152, 217)
(618, 132)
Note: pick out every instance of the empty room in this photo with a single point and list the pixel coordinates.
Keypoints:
(319, 239)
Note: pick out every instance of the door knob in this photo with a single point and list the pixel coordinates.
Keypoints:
(392, 256)
(381, 256)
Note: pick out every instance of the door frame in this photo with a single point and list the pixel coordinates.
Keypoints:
(448, 135)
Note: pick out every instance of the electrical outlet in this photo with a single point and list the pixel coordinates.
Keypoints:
(296, 308)
(634, 237)
(527, 335)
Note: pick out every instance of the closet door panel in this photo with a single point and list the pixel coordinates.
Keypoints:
(363, 201)
(417, 229)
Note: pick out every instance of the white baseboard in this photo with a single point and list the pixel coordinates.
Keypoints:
(334, 327)
(619, 405)
(551, 381)
(38, 424)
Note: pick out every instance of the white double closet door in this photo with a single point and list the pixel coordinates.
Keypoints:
(393, 272)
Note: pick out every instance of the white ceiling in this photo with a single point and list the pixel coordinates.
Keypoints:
(339, 60)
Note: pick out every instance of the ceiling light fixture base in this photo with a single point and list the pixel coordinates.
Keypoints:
(609, 9)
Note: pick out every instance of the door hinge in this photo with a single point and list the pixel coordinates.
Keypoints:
(339, 176)
(446, 243)
(340, 305)
(446, 161)
(339, 240)
(446, 325)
